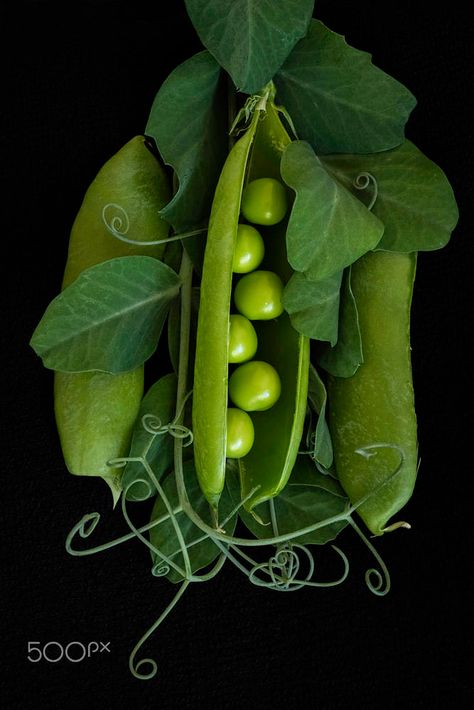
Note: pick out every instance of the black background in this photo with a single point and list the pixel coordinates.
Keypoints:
(79, 79)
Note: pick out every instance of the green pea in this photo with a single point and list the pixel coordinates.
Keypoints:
(278, 430)
(376, 405)
(258, 295)
(264, 201)
(249, 249)
(240, 433)
(95, 411)
(255, 386)
(243, 340)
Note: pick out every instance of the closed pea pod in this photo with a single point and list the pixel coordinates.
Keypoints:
(95, 411)
(212, 345)
(372, 413)
(288, 258)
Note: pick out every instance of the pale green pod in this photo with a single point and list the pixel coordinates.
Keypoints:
(372, 414)
(95, 411)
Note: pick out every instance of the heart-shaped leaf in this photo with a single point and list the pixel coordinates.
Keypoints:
(414, 199)
(338, 100)
(313, 306)
(328, 227)
(344, 358)
(250, 38)
(188, 123)
(110, 318)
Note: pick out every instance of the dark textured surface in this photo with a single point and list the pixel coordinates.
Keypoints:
(78, 80)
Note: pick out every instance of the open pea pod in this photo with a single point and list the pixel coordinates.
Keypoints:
(277, 430)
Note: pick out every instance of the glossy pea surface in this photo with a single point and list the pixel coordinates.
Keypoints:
(243, 341)
(249, 249)
(264, 201)
(240, 433)
(258, 295)
(265, 470)
(278, 431)
(255, 386)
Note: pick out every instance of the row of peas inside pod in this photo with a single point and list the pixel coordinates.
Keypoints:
(254, 385)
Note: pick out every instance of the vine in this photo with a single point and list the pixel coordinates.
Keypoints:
(280, 572)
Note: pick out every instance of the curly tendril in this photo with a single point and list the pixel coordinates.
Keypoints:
(153, 425)
(381, 585)
(282, 568)
(362, 182)
(134, 668)
(117, 221)
(164, 563)
(160, 569)
(290, 567)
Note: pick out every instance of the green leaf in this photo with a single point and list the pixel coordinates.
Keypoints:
(164, 536)
(328, 227)
(158, 407)
(414, 198)
(188, 123)
(109, 319)
(344, 359)
(309, 497)
(250, 38)
(322, 445)
(338, 100)
(305, 474)
(313, 306)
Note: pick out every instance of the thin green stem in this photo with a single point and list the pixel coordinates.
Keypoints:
(147, 634)
(273, 516)
(378, 587)
(216, 534)
(231, 111)
(112, 543)
(148, 543)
